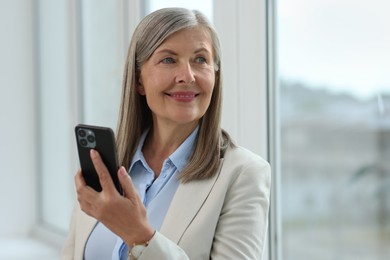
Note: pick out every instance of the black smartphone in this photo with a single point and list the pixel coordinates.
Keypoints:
(102, 139)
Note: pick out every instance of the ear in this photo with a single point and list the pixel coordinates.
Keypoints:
(140, 88)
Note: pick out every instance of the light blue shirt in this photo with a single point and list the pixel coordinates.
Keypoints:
(155, 194)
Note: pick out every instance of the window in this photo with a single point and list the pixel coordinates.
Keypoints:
(56, 99)
(205, 6)
(334, 120)
(81, 49)
(103, 55)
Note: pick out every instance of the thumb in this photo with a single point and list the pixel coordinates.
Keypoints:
(127, 184)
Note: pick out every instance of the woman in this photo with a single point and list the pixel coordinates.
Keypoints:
(189, 192)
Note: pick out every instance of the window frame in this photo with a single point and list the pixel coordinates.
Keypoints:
(273, 124)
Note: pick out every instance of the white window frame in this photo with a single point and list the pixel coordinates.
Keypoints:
(246, 31)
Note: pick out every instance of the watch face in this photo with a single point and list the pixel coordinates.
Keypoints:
(137, 250)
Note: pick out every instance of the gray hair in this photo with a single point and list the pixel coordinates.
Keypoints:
(159, 25)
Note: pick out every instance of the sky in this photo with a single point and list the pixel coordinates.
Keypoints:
(343, 45)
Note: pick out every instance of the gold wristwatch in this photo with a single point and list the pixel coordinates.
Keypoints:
(136, 251)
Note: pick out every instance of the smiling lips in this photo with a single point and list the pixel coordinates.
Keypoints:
(183, 96)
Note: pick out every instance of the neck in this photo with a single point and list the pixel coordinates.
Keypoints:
(161, 142)
(165, 140)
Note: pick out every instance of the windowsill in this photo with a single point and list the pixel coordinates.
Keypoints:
(31, 248)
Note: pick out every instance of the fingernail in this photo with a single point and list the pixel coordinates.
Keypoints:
(122, 171)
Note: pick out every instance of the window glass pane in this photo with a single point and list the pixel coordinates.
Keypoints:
(103, 57)
(56, 134)
(205, 6)
(100, 58)
(334, 61)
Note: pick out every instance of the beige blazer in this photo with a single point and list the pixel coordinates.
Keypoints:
(224, 217)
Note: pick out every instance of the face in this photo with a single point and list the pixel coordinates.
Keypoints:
(178, 79)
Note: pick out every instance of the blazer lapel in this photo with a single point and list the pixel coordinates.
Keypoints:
(185, 204)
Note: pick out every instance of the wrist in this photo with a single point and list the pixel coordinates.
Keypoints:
(143, 237)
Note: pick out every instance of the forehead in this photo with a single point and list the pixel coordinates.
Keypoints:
(189, 37)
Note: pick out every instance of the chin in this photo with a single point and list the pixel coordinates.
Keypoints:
(187, 120)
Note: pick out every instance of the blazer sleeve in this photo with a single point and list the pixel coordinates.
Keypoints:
(161, 247)
(242, 225)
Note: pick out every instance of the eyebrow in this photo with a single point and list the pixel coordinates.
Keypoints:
(202, 49)
(169, 51)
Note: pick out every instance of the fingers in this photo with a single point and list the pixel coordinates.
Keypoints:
(127, 184)
(104, 176)
(85, 194)
(79, 180)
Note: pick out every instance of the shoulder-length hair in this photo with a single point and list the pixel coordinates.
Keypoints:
(134, 114)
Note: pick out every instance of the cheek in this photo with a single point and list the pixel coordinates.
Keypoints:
(158, 81)
(207, 79)
(210, 85)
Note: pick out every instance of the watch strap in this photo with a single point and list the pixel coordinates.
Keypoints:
(136, 250)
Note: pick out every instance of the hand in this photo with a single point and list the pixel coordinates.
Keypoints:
(123, 215)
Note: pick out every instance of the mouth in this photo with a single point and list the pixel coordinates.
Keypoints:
(183, 96)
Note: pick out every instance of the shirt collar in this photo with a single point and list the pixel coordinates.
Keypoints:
(138, 156)
(179, 157)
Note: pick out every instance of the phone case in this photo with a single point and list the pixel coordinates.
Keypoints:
(101, 139)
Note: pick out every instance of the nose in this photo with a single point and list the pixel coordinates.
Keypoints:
(185, 74)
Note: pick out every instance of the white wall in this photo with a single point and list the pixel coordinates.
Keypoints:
(17, 119)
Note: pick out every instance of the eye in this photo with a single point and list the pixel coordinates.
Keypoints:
(168, 60)
(201, 60)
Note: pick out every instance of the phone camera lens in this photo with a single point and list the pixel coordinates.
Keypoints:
(82, 133)
(91, 138)
(83, 142)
